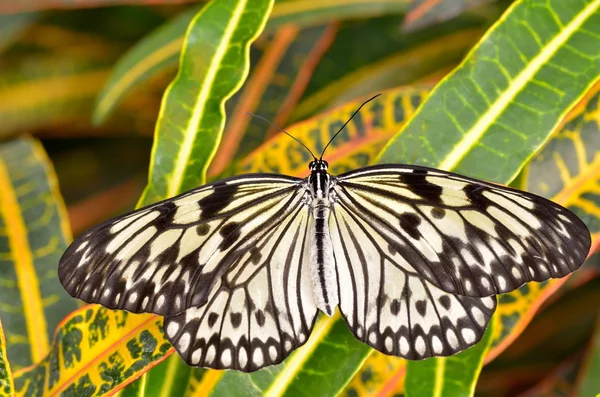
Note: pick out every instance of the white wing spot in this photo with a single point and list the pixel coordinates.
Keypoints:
(373, 337)
(404, 346)
(210, 354)
(436, 344)
(273, 353)
(389, 344)
(420, 345)
(468, 335)
(488, 302)
(184, 342)
(160, 301)
(478, 316)
(172, 328)
(242, 357)
(288, 345)
(226, 357)
(452, 339)
(257, 357)
(501, 282)
(196, 356)
(516, 272)
(133, 297)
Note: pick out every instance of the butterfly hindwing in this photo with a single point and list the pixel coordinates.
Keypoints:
(392, 308)
(165, 257)
(465, 236)
(261, 310)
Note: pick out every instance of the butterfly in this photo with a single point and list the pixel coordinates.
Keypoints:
(413, 257)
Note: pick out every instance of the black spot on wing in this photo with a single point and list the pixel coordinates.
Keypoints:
(417, 182)
(222, 195)
(409, 222)
(202, 229)
(236, 320)
(230, 233)
(260, 318)
(395, 307)
(421, 306)
(212, 319)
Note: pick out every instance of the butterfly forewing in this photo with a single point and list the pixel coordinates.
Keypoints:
(165, 258)
(261, 309)
(464, 236)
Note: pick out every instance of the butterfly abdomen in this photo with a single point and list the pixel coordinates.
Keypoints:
(322, 264)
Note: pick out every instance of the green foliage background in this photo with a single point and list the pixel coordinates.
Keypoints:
(109, 104)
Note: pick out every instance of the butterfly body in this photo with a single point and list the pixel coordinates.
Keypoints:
(322, 263)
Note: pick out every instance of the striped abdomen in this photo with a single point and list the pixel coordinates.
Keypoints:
(322, 264)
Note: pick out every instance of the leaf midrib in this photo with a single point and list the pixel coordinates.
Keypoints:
(471, 137)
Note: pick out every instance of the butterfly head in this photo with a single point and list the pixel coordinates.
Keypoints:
(318, 165)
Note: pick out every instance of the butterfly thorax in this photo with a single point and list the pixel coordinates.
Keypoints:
(322, 263)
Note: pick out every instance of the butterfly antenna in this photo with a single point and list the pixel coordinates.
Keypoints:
(284, 131)
(351, 117)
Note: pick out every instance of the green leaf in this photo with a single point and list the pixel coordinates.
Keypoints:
(500, 106)
(160, 50)
(588, 383)
(14, 7)
(7, 387)
(33, 234)
(214, 64)
(448, 376)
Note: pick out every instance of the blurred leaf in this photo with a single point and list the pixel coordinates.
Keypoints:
(214, 64)
(448, 376)
(49, 91)
(275, 84)
(14, 7)
(96, 351)
(423, 13)
(395, 60)
(7, 387)
(33, 235)
(497, 108)
(558, 383)
(160, 50)
(588, 382)
(12, 26)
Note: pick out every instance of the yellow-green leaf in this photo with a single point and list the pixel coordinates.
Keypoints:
(423, 13)
(7, 387)
(275, 84)
(214, 64)
(160, 50)
(588, 383)
(95, 352)
(33, 234)
(500, 106)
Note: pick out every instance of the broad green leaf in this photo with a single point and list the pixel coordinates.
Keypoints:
(214, 64)
(7, 387)
(448, 376)
(423, 13)
(560, 382)
(278, 76)
(95, 352)
(15, 7)
(160, 50)
(33, 234)
(499, 107)
(380, 375)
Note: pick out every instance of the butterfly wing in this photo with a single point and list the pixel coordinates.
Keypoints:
(261, 309)
(166, 257)
(391, 307)
(462, 235)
